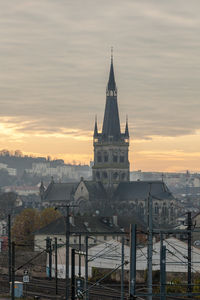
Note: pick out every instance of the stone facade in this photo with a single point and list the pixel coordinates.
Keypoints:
(111, 163)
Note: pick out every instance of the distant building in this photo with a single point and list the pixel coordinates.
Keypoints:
(105, 229)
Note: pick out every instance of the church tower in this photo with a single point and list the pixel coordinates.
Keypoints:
(111, 164)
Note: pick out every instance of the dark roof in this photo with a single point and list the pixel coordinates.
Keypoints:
(126, 130)
(60, 191)
(111, 123)
(125, 221)
(95, 129)
(83, 224)
(111, 82)
(140, 190)
(95, 189)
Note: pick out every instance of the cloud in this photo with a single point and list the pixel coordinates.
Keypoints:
(54, 59)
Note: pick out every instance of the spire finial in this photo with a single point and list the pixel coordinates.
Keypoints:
(126, 128)
(95, 127)
(112, 54)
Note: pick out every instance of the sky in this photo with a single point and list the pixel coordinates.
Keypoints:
(54, 66)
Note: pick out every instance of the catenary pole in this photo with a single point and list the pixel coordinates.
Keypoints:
(13, 272)
(56, 265)
(9, 247)
(122, 270)
(73, 274)
(50, 260)
(189, 228)
(150, 247)
(132, 274)
(86, 268)
(163, 273)
(67, 234)
(79, 257)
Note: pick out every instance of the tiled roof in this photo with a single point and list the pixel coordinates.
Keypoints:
(84, 224)
(60, 191)
(140, 190)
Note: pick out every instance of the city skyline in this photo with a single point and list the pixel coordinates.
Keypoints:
(55, 59)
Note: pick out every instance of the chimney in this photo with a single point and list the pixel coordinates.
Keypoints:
(115, 220)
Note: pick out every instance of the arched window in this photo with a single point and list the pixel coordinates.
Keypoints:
(115, 175)
(97, 175)
(105, 175)
(156, 209)
(115, 157)
(141, 209)
(164, 210)
(105, 156)
(171, 210)
(121, 159)
(99, 158)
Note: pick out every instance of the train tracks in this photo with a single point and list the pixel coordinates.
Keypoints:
(45, 289)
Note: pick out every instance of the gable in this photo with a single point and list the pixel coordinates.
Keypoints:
(81, 191)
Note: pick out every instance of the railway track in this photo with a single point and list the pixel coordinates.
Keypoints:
(45, 289)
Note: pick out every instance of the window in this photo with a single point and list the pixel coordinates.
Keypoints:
(105, 238)
(114, 158)
(156, 209)
(171, 209)
(164, 210)
(97, 175)
(121, 159)
(105, 175)
(115, 175)
(105, 157)
(99, 158)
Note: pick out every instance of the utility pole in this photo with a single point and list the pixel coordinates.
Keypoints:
(56, 265)
(79, 258)
(163, 273)
(49, 251)
(122, 270)
(9, 248)
(189, 228)
(13, 272)
(67, 236)
(73, 274)
(50, 260)
(150, 245)
(132, 278)
(86, 268)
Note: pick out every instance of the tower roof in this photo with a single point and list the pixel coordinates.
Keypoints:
(95, 128)
(111, 82)
(111, 123)
(126, 128)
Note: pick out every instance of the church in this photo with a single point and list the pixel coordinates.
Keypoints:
(110, 192)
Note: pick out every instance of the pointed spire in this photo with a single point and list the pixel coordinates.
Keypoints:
(95, 128)
(111, 82)
(126, 128)
(111, 123)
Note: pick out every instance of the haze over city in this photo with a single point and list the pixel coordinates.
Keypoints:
(55, 59)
